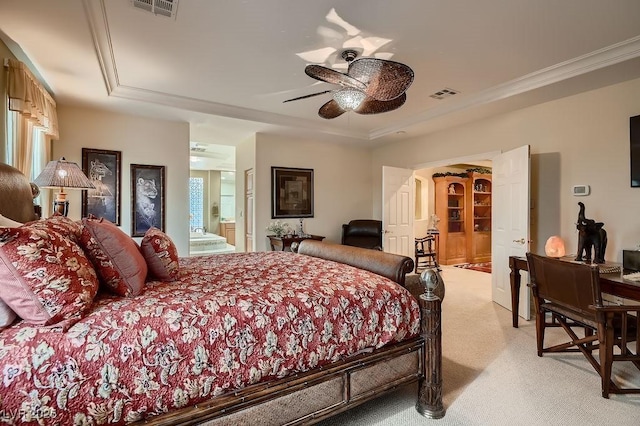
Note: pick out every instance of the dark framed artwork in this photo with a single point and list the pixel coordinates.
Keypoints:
(103, 168)
(147, 198)
(291, 192)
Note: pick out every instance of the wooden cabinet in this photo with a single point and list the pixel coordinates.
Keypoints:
(228, 230)
(463, 205)
(451, 194)
(480, 215)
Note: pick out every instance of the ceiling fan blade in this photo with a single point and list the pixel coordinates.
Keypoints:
(385, 80)
(332, 76)
(374, 106)
(330, 110)
(307, 96)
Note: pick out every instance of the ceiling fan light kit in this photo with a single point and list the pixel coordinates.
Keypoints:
(348, 98)
(370, 86)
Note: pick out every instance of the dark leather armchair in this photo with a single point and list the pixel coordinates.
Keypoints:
(365, 233)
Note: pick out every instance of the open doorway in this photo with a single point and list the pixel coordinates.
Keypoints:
(212, 189)
(453, 203)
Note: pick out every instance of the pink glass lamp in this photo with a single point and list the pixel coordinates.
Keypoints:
(554, 247)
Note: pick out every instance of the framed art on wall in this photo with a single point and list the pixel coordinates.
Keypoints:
(291, 192)
(103, 168)
(147, 199)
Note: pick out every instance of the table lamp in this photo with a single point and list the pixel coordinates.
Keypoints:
(63, 174)
(554, 247)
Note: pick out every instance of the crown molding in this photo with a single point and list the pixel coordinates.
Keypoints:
(607, 56)
(99, 27)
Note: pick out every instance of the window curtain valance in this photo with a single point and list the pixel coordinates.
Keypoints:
(28, 97)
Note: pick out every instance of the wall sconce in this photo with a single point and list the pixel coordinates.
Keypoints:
(554, 247)
(63, 174)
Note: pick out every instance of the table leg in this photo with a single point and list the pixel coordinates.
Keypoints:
(514, 278)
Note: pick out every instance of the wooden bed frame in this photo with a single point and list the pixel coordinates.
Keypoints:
(320, 393)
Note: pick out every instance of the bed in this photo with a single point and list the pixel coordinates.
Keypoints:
(241, 338)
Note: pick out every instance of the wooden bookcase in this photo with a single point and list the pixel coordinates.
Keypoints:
(464, 208)
(451, 200)
(479, 247)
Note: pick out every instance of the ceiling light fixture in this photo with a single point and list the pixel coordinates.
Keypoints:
(348, 98)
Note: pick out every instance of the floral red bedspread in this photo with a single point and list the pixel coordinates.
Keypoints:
(229, 321)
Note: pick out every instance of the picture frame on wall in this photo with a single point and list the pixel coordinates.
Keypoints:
(147, 198)
(291, 192)
(103, 168)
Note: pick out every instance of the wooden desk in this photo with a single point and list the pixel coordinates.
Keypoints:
(284, 243)
(609, 283)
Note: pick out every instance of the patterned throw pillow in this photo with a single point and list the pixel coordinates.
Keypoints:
(161, 255)
(60, 224)
(115, 256)
(45, 278)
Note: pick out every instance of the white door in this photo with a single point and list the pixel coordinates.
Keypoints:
(397, 211)
(248, 210)
(510, 223)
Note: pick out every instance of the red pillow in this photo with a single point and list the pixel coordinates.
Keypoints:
(161, 255)
(115, 256)
(45, 278)
(61, 224)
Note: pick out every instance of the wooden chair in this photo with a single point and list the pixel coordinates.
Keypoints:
(425, 253)
(570, 294)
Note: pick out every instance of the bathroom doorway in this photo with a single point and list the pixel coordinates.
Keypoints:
(212, 199)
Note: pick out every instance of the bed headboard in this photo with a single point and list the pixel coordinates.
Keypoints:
(16, 199)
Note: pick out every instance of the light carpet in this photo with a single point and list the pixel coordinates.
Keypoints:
(492, 375)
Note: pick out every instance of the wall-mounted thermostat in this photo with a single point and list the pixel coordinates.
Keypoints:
(581, 190)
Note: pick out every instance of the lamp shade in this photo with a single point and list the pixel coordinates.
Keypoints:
(63, 174)
(554, 247)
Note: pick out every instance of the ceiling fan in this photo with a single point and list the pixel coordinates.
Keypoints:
(370, 86)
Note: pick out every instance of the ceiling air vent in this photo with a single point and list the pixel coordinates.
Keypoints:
(166, 8)
(444, 93)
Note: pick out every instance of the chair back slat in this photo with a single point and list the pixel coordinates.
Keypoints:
(574, 286)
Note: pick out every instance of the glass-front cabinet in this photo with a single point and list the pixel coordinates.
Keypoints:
(451, 195)
(480, 241)
(463, 204)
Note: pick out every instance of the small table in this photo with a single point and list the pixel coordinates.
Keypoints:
(284, 243)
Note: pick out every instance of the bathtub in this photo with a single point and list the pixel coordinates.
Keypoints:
(207, 243)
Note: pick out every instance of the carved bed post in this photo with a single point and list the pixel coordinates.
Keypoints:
(430, 387)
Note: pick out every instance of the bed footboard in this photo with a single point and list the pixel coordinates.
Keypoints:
(395, 267)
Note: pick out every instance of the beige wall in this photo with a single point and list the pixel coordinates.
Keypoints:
(582, 139)
(142, 141)
(342, 189)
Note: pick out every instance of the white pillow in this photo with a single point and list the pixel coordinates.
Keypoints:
(8, 223)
